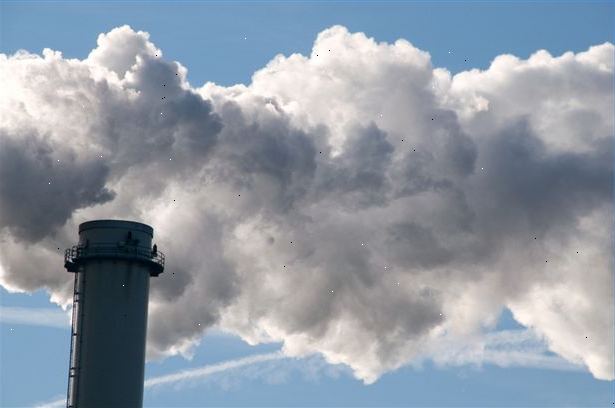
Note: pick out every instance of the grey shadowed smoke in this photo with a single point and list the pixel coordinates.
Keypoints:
(37, 196)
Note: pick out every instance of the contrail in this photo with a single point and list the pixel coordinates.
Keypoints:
(191, 374)
(211, 369)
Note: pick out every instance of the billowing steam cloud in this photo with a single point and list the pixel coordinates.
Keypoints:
(358, 202)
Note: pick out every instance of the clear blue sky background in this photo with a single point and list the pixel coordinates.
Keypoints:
(208, 38)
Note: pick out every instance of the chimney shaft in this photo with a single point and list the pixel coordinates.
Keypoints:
(112, 264)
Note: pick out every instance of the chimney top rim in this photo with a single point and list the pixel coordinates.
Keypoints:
(121, 224)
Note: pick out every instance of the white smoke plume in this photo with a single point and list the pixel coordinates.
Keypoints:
(357, 202)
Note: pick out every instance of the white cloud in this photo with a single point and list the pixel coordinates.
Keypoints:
(341, 203)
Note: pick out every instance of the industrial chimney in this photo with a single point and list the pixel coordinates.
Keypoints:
(112, 265)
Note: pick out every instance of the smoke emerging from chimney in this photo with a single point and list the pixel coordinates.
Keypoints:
(357, 202)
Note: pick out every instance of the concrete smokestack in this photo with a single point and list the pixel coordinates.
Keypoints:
(112, 264)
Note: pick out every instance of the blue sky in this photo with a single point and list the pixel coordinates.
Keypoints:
(38, 355)
(226, 43)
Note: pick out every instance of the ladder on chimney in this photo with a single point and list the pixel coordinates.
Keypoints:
(75, 339)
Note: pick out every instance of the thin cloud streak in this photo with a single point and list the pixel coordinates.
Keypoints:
(505, 348)
(191, 374)
(51, 404)
(195, 373)
(29, 316)
(530, 360)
